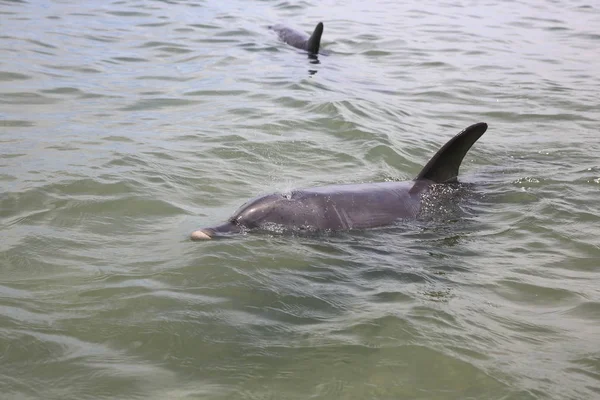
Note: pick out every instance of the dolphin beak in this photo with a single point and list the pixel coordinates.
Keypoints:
(211, 233)
(200, 235)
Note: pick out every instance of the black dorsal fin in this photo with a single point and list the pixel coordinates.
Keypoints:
(443, 166)
(313, 44)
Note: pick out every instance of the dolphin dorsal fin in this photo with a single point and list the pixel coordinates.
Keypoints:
(314, 42)
(443, 166)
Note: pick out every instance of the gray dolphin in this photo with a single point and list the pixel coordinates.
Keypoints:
(350, 206)
(299, 39)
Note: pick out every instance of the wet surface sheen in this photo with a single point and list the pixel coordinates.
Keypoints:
(126, 125)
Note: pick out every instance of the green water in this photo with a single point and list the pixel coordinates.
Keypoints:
(126, 125)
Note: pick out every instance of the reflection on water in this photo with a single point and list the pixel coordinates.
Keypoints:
(314, 59)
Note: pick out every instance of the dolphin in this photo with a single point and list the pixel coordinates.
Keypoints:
(299, 39)
(350, 206)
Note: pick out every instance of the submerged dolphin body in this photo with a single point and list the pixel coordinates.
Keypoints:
(351, 206)
(299, 39)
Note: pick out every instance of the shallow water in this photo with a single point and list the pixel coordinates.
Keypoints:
(127, 125)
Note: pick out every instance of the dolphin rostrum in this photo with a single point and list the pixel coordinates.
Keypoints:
(350, 206)
(299, 39)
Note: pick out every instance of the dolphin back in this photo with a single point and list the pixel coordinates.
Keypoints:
(314, 42)
(443, 166)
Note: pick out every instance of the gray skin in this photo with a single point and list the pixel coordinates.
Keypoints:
(351, 206)
(299, 39)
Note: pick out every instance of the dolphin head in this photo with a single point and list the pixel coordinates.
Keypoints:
(250, 215)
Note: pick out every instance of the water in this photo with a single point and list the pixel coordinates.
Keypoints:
(127, 125)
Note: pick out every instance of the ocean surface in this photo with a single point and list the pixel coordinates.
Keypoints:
(126, 125)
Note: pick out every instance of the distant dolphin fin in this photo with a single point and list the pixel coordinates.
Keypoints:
(313, 44)
(443, 166)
